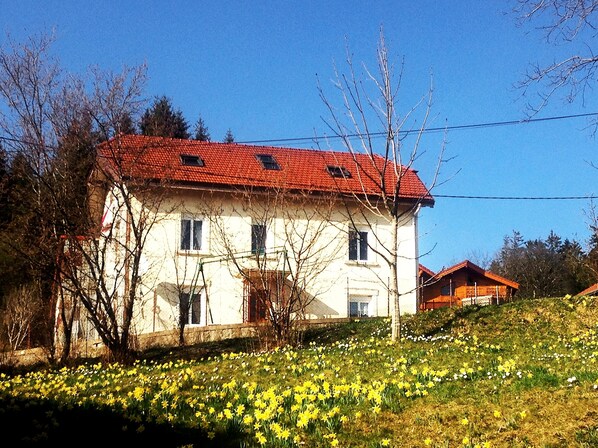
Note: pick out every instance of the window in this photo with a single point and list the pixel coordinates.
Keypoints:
(191, 233)
(445, 290)
(358, 245)
(189, 160)
(258, 238)
(358, 309)
(190, 308)
(338, 171)
(268, 161)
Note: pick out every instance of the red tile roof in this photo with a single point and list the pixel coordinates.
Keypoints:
(235, 165)
(591, 290)
(466, 264)
(425, 270)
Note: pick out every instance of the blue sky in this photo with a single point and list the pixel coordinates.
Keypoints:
(253, 67)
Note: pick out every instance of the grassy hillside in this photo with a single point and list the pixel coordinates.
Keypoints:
(517, 375)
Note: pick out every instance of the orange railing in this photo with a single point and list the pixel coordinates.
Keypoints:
(473, 294)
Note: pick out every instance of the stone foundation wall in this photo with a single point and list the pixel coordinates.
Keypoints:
(170, 338)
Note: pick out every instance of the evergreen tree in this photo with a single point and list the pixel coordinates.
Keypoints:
(67, 181)
(201, 131)
(579, 275)
(162, 120)
(229, 137)
(543, 267)
(508, 262)
(126, 125)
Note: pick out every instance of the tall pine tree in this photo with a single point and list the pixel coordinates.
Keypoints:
(162, 120)
(201, 131)
(229, 137)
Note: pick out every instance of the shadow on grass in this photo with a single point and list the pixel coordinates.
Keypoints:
(199, 351)
(328, 334)
(39, 424)
(441, 320)
(359, 328)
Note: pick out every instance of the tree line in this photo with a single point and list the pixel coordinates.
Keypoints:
(161, 119)
(547, 267)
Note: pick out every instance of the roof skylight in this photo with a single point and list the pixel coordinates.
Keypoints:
(338, 171)
(268, 161)
(189, 160)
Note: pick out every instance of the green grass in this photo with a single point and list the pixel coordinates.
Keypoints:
(523, 374)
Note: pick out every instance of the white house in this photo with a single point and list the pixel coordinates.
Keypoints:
(222, 215)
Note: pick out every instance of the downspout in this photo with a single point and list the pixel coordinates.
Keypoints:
(154, 313)
(416, 245)
(127, 261)
(348, 305)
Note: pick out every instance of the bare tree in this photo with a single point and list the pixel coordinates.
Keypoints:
(54, 122)
(569, 22)
(291, 245)
(18, 314)
(104, 269)
(478, 257)
(369, 113)
(82, 119)
(30, 81)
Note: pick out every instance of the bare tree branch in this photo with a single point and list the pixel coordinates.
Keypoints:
(568, 22)
(369, 108)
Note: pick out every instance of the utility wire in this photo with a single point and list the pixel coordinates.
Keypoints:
(382, 134)
(516, 198)
(427, 130)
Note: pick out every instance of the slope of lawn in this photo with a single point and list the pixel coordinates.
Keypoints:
(517, 375)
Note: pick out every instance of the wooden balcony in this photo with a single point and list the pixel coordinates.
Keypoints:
(470, 295)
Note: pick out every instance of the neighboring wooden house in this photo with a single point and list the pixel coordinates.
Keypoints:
(462, 284)
(230, 207)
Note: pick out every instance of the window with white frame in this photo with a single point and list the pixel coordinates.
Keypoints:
(359, 307)
(258, 238)
(191, 234)
(358, 245)
(190, 308)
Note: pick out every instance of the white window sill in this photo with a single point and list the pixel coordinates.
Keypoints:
(368, 263)
(193, 253)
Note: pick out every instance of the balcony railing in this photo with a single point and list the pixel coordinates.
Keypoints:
(470, 295)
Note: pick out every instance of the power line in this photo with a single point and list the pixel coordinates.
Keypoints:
(382, 134)
(427, 130)
(516, 198)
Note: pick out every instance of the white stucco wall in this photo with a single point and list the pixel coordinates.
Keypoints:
(166, 269)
